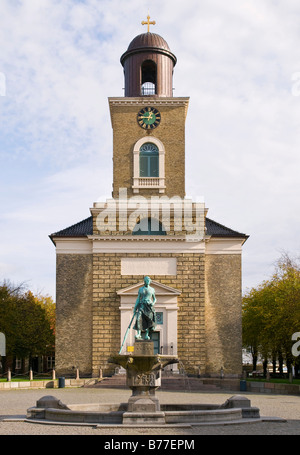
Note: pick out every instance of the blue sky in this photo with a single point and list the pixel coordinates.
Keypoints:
(237, 60)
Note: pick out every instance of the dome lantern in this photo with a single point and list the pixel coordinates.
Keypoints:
(148, 66)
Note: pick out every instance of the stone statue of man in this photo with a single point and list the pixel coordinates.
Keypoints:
(145, 312)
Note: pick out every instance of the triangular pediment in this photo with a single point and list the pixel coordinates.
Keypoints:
(160, 289)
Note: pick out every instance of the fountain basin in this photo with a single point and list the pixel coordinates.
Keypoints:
(143, 372)
(169, 414)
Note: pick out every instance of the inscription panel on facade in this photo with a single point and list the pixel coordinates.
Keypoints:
(149, 266)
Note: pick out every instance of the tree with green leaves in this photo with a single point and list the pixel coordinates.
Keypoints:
(271, 314)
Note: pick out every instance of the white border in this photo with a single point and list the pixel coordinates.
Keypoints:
(146, 244)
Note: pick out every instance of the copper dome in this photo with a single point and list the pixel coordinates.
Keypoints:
(146, 42)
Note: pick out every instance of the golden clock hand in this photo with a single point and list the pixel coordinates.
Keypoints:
(149, 117)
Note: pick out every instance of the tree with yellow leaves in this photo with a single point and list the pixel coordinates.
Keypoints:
(28, 322)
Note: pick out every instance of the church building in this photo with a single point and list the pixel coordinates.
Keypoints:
(149, 227)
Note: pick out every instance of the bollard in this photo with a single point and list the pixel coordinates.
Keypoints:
(2, 341)
(243, 386)
(77, 374)
(8, 375)
(30, 375)
(222, 373)
(53, 375)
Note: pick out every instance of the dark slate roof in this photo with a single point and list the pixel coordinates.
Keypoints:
(81, 229)
(85, 227)
(218, 230)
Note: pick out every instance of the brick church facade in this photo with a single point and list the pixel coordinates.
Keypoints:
(148, 227)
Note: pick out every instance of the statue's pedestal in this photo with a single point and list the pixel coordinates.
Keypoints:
(142, 381)
(143, 347)
(143, 405)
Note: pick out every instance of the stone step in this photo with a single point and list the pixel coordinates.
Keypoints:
(116, 381)
(185, 383)
(167, 383)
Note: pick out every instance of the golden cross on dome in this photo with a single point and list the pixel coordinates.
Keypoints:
(148, 23)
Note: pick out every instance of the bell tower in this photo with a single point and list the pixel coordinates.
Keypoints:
(148, 122)
(194, 262)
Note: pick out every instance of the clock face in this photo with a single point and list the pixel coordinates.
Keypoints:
(148, 118)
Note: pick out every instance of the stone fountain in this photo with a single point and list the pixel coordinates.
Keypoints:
(143, 373)
(143, 368)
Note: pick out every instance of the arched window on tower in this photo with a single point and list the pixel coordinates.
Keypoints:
(149, 76)
(149, 160)
(149, 226)
(149, 165)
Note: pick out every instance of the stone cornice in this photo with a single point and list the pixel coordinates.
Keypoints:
(146, 101)
(142, 238)
(147, 244)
